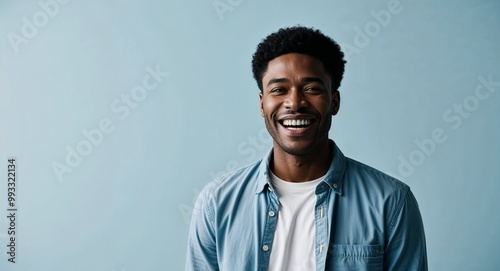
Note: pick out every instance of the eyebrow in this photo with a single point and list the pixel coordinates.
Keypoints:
(277, 80)
(314, 79)
(305, 79)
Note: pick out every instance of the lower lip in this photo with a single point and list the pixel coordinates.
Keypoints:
(295, 132)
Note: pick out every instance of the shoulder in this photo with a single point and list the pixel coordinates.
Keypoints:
(240, 180)
(369, 184)
(382, 192)
(372, 178)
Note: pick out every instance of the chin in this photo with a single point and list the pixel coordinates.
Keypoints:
(298, 148)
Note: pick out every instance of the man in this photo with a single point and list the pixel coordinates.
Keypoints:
(304, 206)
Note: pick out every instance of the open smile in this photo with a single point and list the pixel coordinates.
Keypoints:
(296, 125)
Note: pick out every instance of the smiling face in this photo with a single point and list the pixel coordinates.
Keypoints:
(297, 103)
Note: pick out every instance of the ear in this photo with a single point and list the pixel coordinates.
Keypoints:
(261, 105)
(335, 102)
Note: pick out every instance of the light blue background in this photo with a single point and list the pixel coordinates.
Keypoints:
(127, 205)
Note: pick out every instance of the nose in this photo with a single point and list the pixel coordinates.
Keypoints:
(295, 100)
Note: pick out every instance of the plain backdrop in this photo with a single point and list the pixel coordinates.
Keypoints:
(119, 112)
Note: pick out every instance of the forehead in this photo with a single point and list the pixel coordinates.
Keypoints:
(295, 67)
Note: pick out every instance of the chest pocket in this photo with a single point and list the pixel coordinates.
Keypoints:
(355, 257)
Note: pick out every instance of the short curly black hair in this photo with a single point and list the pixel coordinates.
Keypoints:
(302, 40)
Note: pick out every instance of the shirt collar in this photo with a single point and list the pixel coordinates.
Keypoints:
(333, 177)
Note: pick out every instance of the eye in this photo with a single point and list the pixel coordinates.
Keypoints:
(313, 89)
(277, 90)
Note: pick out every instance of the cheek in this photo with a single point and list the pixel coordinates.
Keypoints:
(325, 108)
(269, 107)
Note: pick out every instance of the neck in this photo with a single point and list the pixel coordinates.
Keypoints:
(301, 168)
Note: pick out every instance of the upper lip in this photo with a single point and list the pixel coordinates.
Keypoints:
(296, 117)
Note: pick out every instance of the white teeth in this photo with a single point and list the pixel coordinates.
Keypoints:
(296, 122)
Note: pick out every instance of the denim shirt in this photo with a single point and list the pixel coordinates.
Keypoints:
(364, 220)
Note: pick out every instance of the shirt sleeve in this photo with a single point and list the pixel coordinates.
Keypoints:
(201, 252)
(405, 241)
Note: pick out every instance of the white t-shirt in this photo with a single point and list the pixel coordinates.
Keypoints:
(294, 237)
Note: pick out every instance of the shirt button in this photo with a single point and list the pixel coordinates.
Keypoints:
(335, 185)
(271, 213)
(265, 248)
